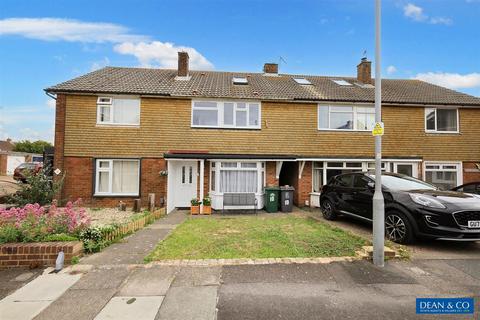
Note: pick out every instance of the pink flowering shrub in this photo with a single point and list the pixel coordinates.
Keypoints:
(35, 223)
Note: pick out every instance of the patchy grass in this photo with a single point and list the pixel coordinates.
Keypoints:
(274, 236)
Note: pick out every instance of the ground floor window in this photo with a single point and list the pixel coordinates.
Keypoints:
(117, 177)
(323, 171)
(237, 177)
(443, 175)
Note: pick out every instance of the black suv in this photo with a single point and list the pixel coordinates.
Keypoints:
(413, 208)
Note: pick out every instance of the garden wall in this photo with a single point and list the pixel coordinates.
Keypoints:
(37, 254)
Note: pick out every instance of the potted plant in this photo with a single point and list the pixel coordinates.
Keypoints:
(207, 205)
(195, 206)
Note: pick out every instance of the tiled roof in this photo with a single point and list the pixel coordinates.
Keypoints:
(213, 84)
(6, 145)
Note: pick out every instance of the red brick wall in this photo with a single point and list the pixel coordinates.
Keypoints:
(79, 176)
(37, 254)
(270, 174)
(303, 186)
(471, 172)
(3, 164)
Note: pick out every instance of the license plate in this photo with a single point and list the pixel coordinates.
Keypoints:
(474, 224)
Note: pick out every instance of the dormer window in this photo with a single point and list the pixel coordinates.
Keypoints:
(302, 81)
(342, 83)
(240, 80)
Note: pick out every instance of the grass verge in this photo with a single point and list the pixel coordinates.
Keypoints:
(274, 236)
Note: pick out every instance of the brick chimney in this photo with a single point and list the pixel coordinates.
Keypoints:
(182, 64)
(364, 71)
(270, 68)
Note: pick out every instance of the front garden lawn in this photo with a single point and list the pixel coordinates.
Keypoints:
(273, 236)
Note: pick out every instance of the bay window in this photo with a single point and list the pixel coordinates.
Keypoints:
(118, 111)
(217, 114)
(443, 175)
(346, 118)
(117, 177)
(441, 120)
(237, 177)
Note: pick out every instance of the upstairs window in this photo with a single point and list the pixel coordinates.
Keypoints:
(346, 118)
(237, 115)
(118, 111)
(441, 120)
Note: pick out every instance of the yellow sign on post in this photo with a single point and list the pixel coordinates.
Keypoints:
(378, 129)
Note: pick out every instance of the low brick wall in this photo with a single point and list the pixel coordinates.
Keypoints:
(37, 254)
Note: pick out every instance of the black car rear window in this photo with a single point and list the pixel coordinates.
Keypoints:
(344, 181)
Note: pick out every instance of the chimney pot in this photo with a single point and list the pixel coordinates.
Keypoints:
(182, 64)
(270, 68)
(364, 71)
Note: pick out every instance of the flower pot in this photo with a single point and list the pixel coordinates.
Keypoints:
(195, 209)
(207, 209)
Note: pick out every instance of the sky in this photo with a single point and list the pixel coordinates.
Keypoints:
(43, 43)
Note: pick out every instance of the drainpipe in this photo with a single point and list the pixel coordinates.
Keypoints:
(202, 174)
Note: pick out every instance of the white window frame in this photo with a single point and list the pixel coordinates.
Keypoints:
(110, 177)
(458, 170)
(261, 167)
(111, 102)
(355, 117)
(220, 115)
(428, 109)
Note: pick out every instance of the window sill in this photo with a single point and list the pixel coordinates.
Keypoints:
(443, 132)
(114, 125)
(224, 128)
(115, 195)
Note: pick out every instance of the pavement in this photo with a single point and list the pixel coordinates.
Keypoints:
(110, 285)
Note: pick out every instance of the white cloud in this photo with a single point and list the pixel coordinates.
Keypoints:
(391, 69)
(56, 29)
(51, 103)
(451, 80)
(162, 54)
(100, 64)
(416, 14)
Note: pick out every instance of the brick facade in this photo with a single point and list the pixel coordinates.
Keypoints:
(59, 143)
(37, 254)
(471, 172)
(3, 164)
(79, 182)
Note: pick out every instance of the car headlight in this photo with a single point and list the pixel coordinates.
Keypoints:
(426, 201)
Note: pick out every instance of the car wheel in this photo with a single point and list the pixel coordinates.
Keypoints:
(398, 229)
(328, 210)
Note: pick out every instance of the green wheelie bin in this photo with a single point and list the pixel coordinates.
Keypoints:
(271, 199)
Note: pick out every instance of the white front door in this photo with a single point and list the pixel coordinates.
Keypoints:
(184, 182)
(410, 169)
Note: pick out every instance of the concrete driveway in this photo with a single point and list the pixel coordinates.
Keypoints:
(7, 186)
(422, 249)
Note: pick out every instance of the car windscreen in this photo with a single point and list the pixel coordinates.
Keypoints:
(404, 183)
(27, 165)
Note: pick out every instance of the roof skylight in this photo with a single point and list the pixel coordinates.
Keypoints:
(302, 81)
(240, 80)
(342, 82)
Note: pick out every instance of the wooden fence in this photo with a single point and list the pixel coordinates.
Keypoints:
(132, 226)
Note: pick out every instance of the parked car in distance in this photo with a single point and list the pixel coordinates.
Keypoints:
(22, 171)
(413, 208)
(472, 187)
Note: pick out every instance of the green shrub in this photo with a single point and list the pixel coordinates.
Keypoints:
(59, 237)
(9, 233)
(38, 189)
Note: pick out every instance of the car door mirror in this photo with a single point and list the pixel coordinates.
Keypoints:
(371, 185)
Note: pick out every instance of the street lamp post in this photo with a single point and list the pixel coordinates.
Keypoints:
(378, 203)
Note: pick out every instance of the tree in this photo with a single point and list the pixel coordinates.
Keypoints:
(31, 147)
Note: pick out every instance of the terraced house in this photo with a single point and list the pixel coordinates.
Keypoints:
(122, 133)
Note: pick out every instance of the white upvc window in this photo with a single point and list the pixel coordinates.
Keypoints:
(441, 120)
(117, 177)
(237, 177)
(226, 114)
(346, 118)
(118, 111)
(444, 175)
